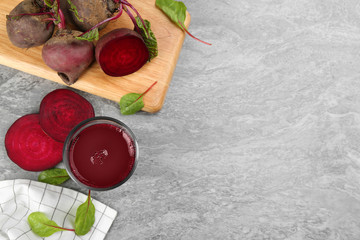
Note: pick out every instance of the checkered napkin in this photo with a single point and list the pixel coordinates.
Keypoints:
(19, 198)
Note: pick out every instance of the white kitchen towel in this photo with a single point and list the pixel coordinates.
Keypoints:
(19, 198)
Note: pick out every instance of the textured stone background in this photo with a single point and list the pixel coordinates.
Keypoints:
(259, 135)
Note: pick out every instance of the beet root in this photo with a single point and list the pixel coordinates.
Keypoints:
(61, 110)
(67, 55)
(121, 52)
(29, 147)
(28, 30)
(92, 13)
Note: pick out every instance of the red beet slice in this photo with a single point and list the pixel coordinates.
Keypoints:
(121, 52)
(29, 147)
(61, 110)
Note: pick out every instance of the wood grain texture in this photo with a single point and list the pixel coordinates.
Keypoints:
(170, 39)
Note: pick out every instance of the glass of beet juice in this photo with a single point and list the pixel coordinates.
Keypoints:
(100, 153)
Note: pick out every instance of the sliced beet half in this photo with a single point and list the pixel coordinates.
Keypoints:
(121, 52)
(61, 110)
(30, 147)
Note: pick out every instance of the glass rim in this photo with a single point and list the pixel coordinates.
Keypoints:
(81, 126)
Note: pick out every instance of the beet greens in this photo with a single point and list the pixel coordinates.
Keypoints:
(133, 102)
(42, 226)
(176, 11)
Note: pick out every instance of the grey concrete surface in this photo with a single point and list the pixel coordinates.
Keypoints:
(259, 136)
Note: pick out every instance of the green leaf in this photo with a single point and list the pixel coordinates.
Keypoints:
(55, 176)
(85, 217)
(43, 226)
(175, 10)
(73, 9)
(90, 36)
(148, 36)
(131, 103)
(49, 3)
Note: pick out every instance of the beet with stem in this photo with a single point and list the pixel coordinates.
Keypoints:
(69, 56)
(91, 13)
(64, 52)
(61, 110)
(94, 18)
(121, 52)
(26, 25)
(30, 147)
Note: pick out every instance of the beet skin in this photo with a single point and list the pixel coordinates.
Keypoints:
(93, 12)
(28, 31)
(67, 55)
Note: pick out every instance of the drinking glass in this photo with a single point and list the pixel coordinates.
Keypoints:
(100, 153)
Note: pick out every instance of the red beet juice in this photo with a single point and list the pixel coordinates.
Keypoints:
(102, 155)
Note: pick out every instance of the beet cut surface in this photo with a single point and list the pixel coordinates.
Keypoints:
(121, 52)
(29, 147)
(61, 110)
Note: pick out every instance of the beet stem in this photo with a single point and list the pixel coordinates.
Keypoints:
(61, 24)
(66, 229)
(49, 19)
(137, 13)
(184, 28)
(88, 204)
(131, 17)
(48, 25)
(145, 91)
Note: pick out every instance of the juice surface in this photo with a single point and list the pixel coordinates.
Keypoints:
(102, 155)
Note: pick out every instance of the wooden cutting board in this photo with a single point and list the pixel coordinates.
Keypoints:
(170, 39)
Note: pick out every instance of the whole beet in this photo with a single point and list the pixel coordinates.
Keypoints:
(92, 12)
(67, 55)
(28, 31)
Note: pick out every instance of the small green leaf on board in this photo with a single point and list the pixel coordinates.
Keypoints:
(148, 36)
(133, 102)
